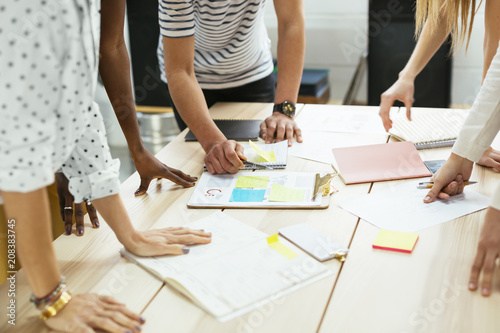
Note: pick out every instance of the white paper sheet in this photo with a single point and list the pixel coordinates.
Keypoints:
(401, 208)
(342, 119)
(234, 272)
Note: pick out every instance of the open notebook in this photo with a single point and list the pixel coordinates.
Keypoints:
(273, 155)
(239, 271)
(429, 128)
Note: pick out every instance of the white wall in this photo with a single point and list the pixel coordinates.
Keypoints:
(336, 35)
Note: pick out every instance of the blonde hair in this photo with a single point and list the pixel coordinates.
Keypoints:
(459, 16)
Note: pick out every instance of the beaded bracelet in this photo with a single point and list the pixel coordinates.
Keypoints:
(40, 303)
(57, 306)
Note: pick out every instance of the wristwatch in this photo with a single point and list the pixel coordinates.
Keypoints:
(287, 108)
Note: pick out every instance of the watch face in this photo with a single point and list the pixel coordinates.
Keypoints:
(289, 109)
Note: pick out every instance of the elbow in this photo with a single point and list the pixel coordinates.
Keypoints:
(110, 48)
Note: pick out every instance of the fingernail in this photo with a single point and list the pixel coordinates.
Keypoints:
(142, 320)
(68, 230)
(138, 328)
(486, 290)
(80, 232)
(472, 285)
(96, 224)
(453, 185)
(185, 250)
(137, 192)
(202, 229)
(128, 331)
(427, 198)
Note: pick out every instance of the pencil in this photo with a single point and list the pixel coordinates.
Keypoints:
(430, 184)
(257, 165)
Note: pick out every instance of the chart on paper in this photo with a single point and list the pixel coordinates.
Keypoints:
(261, 189)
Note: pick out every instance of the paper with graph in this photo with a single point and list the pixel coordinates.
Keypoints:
(260, 189)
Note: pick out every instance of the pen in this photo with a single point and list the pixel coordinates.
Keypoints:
(257, 165)
(429, 184)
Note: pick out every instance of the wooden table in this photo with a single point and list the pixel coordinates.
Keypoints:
(373, 291)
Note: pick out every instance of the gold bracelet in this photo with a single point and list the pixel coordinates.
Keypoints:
(57, 306)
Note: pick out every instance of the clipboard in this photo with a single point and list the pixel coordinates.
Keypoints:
(258, 190)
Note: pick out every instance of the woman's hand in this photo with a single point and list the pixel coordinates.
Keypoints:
(66, 201)
(149, 168)
(487, 253)
(402, 90)
(491, 159)
(166, 241)
(449, 180)
(86, 313)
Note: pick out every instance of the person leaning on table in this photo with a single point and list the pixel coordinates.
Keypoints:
(429, 41)
(219, 51)
(50, 121)
(476, 136)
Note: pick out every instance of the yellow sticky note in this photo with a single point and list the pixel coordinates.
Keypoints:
(275, 243)
(268, 156)
(284, 194)
(252, 182)
(395, 241)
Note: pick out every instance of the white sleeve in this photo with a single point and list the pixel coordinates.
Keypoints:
(483, 122)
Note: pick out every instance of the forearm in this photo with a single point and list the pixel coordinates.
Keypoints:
(429, 42)
(291, 49)
(483, 122)
(114, 213)
(114, 68)
(491, 32)
(190, 102)
(34, 239)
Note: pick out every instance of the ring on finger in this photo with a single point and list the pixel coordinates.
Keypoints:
(68, 208)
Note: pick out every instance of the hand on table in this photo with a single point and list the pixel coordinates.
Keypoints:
(149, 168)
(280, 127)
(166, 241)
(88, 312)
(66, 201)
(225, 157)
(491, 159)
(402, 90)
(449, 178)
(488, 250)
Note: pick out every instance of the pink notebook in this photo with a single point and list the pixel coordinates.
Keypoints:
(376, 163)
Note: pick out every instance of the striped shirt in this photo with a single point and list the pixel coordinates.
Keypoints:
(232, 47)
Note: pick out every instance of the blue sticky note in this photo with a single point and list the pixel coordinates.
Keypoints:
(247, 195)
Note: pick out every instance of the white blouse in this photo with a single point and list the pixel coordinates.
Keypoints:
(483, 123)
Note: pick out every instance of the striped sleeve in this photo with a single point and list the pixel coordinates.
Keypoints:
(176, 18)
